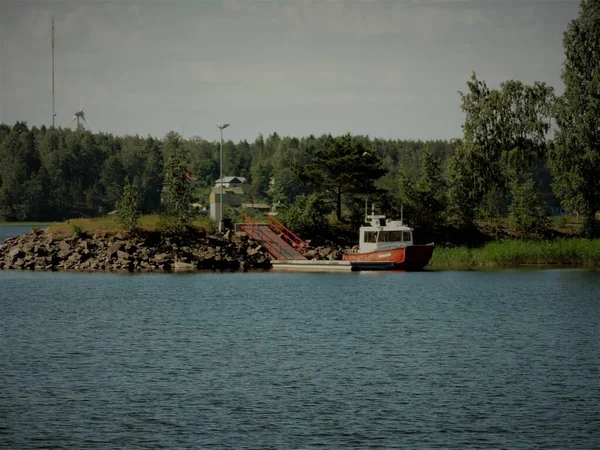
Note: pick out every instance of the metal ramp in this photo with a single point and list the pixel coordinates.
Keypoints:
(280, 242)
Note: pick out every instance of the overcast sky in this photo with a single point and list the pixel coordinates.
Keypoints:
(388, 69)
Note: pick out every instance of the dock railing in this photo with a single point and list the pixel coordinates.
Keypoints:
(287, 234)
(255, 231)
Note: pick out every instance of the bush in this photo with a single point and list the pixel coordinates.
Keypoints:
(307, 215)
(77, 230)
(528, 212)
(128, 214)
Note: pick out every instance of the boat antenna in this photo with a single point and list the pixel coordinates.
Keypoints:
(401, 213)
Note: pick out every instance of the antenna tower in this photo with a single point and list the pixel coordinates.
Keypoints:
(53, 113)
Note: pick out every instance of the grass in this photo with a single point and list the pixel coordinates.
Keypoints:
(579, 252)
(108, 225)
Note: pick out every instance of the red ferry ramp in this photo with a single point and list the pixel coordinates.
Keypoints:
(279, 241)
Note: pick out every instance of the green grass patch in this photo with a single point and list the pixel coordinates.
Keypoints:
(565, 252)
(108, 225)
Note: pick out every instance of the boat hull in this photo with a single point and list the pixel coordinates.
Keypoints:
(414, 257)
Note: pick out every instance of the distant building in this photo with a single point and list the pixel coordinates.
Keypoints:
(232, 196)
(262, 207)
(257, 206)
(230, 181)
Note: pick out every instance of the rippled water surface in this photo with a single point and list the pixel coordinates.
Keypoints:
(499, 359)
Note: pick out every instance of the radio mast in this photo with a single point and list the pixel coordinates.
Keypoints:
(53, 113)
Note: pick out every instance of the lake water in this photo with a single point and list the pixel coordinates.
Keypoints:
(454, 360)
(8, 231)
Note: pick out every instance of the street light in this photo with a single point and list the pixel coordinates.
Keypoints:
(221, 127)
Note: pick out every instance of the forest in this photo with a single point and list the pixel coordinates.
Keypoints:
(525, 154)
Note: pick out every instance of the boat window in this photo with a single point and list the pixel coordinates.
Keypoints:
(407, 237)
(371, 236)
(390, 236)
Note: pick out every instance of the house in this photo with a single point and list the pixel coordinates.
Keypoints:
(257, 206)
(230, 181)
(232, 196)
(262, 207)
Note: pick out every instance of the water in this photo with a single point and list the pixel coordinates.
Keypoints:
(10, 230)
(453, 360)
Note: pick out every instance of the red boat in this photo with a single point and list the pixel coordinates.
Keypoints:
(388, 245)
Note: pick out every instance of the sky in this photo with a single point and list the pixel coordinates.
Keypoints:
(387, 69)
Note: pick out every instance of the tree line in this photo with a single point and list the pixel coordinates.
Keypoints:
(523, 150)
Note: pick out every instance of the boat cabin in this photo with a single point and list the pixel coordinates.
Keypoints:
(382, 234)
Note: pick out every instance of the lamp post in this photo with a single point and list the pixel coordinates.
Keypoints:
(221, 127)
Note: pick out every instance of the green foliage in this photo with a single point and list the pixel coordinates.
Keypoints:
(177, 189)
(504, 141)
(576, 156)
(259, 186)
(528, 212)
(343, 167)
(128, 214)
(430, 193)
(578, 252)
(307, 216)
(76, 230)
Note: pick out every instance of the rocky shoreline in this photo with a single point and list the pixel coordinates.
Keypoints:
(194, 250)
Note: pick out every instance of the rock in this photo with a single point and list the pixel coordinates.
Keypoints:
(323, 252)
(15, 253)
(180, 266)
(64, 247)
(253, 251)
(114, 248)
(122, 256)
(146, 252)
(161, 257)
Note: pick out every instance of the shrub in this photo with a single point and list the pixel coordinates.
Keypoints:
(128, 214)
(307, 215)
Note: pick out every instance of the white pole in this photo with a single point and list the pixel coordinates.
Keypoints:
(221, 227)
(221, 196)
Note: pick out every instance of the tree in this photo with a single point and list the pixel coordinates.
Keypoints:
(424, 201)
(307, 216)
(528, 210)
(504, 141)
(111, 179)
(575, 159)
(178, 190)
(128, 214)
(344, 167)
(260, 182)
(431, 190)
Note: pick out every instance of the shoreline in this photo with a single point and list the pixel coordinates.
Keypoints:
(195, 250)
(192, 251)
(143, 252)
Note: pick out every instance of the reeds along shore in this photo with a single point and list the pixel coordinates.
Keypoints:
(561, 252)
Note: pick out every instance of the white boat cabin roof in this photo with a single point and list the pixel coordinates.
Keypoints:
(382, 234)
(380, 223)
